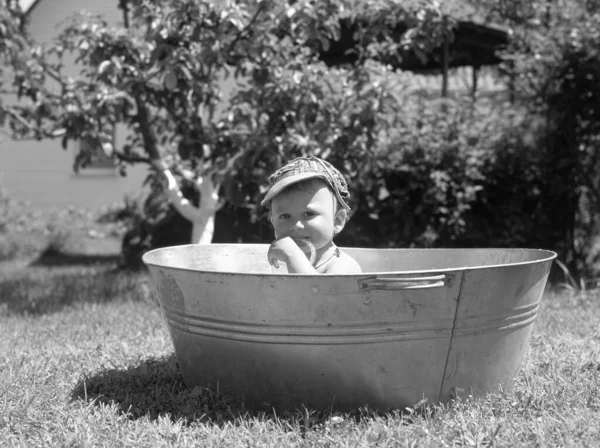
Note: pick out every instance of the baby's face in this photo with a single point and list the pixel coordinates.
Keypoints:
(306, 214)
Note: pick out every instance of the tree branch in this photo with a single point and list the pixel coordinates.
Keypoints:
(131, 158)
(21, 120)
(40, 132)
(246, 28)
(51, 72)
(148, 135)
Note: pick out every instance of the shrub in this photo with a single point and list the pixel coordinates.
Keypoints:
(429, 175)
(152, 222)
(58, 239)
(554, 61)
(21, 231)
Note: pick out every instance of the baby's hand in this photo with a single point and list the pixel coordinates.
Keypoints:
(286, 248)
(281, 249)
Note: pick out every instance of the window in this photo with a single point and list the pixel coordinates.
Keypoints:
(89, 156)
(97, 156)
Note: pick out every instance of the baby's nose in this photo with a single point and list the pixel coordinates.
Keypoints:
(298, 225)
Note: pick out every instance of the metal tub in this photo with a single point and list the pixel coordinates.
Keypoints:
(417, 323)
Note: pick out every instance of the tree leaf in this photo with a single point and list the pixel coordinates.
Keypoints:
(171, 79)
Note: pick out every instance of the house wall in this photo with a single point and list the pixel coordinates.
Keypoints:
(47, 17)
(40, 172)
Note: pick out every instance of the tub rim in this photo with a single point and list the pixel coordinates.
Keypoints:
(550, 255)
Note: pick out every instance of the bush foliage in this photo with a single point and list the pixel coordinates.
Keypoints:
(554, 63)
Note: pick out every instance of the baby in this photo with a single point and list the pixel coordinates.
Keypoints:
(307, 202)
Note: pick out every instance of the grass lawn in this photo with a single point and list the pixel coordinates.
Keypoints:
(86, 360)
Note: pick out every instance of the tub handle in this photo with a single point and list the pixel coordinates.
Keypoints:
(393, 283)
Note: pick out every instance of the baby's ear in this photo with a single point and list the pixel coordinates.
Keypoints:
(339, 221)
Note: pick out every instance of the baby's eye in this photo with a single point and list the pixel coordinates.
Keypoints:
(284, 216)
(309, 214)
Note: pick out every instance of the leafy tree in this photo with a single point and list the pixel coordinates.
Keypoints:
(162, 76)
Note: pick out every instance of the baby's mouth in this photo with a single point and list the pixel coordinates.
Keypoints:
(301, 239)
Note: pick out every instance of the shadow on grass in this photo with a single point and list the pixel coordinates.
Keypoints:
(37, 291)
(154, 388)
(56, 258)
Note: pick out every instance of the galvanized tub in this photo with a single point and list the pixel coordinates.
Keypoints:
(417, 323)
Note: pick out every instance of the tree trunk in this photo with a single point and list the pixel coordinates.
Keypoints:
(202, 217)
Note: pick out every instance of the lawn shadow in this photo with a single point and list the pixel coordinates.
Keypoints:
(154, 388)
(55, 258)
(39, 290)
